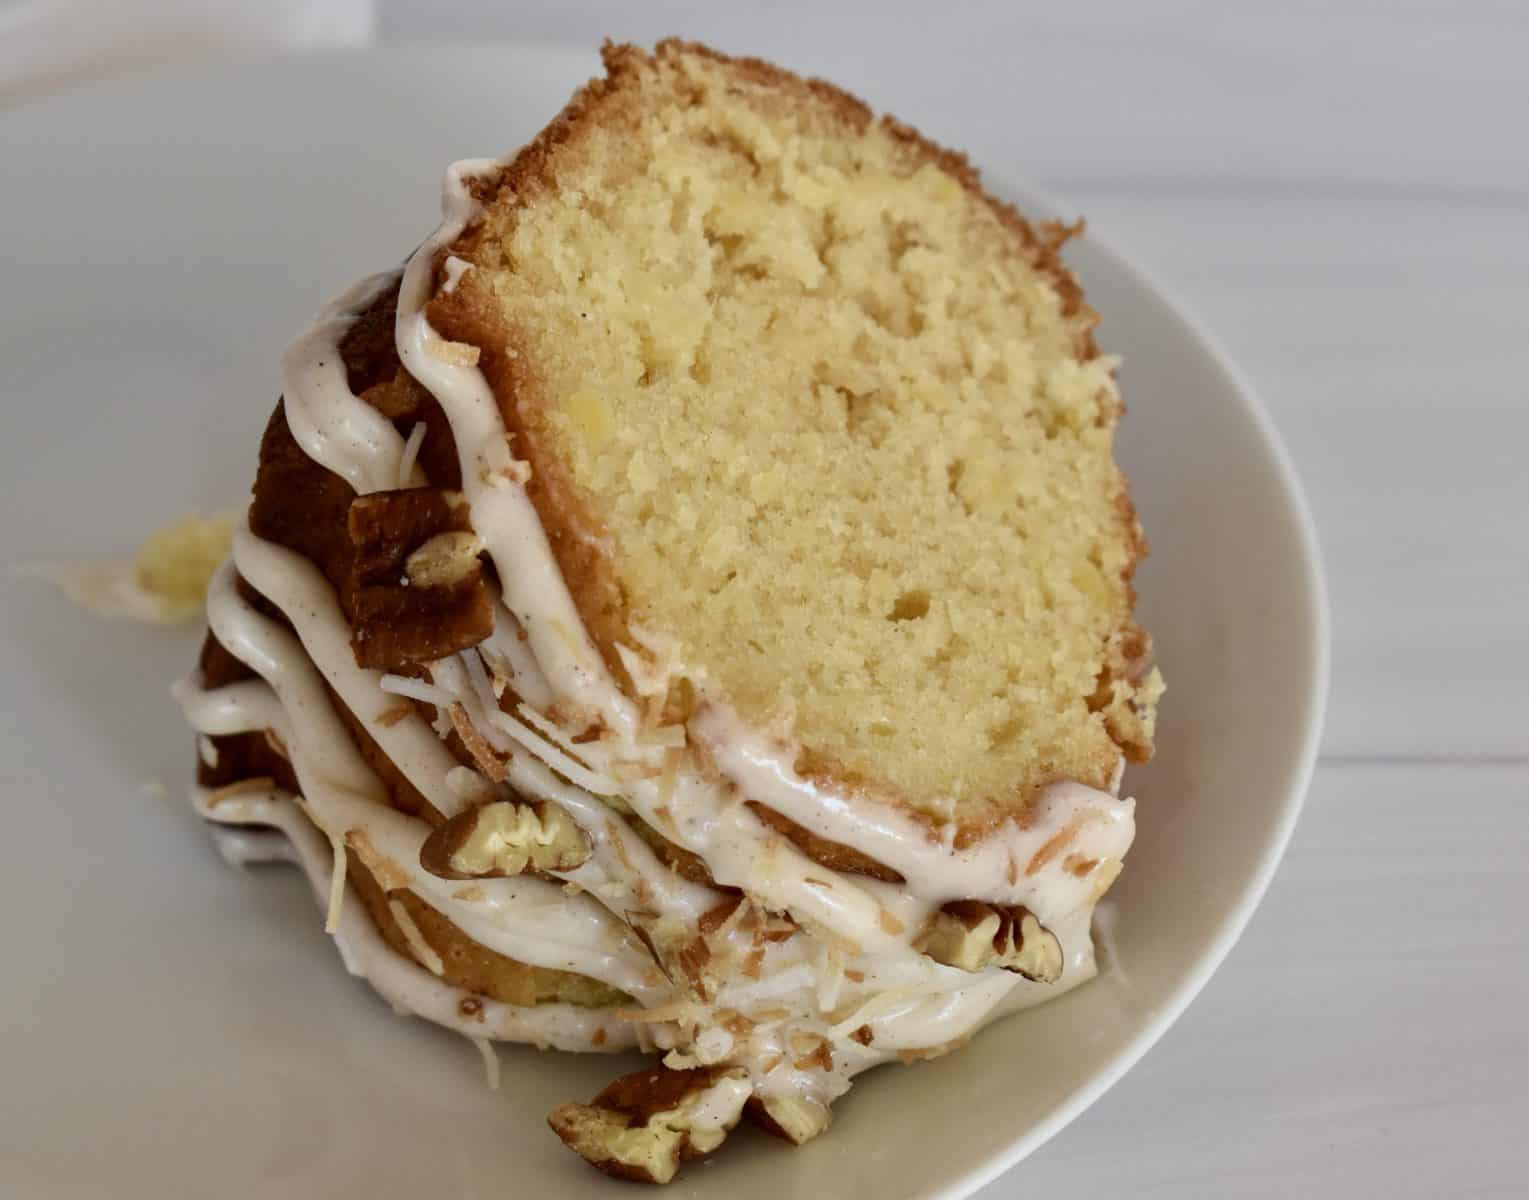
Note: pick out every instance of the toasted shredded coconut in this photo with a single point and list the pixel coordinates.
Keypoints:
(477, 745)
(830, 965)
(679, 1010)
(490, 1058)
(336, 882)
(410, 455)
(243, 787)
(415, 689)
(207, 750)
(500, 670)
(553, 757)
(554, 733)
(1059, 842)
(424, 953)
(670, 737)
(391, 716)
(389, 875)
(669, 778)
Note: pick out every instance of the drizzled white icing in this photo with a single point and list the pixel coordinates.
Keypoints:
(353, 440)
(493, 483)
(525, 918)
(849, 968)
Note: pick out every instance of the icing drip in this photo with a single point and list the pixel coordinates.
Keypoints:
(492, 482)
(268, 826)
(352, 439)
(527, 919)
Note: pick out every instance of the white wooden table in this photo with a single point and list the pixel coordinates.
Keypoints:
(1341, 192)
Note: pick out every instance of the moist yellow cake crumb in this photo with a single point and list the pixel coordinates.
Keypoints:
(176, 562)
(839, 418)
(165, 584)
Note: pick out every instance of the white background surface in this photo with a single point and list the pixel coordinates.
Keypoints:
(238, 193)
(1341, 192)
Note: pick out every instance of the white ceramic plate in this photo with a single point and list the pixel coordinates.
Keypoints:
(169, 1026)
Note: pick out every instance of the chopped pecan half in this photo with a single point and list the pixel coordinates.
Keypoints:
(416, 589)
(505, 838)
(644, 1125)
(796, 1119)
(973, 935)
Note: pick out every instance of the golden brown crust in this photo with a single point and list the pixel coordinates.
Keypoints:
(573, 537)
(833, 855)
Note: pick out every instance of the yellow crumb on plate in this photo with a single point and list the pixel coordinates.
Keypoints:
(164, 584)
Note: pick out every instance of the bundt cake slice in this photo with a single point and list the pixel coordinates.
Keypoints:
(689, 607)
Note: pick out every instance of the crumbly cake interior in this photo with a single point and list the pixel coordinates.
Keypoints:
(176, 562)
(846, 434)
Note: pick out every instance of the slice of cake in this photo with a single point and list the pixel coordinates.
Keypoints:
(690, 607)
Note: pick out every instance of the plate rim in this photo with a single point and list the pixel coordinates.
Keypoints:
(1317, 668)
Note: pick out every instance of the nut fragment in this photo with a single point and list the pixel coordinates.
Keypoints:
(489, 760)
(796, 1119)
(445, 559)
(644, 1125)
(399, 622)
(972, 935)
(811, 1051)
(505, 838)
(681, 955)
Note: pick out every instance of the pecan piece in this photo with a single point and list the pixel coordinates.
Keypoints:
(505, 838)
(644, 1125)
(973, 935)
